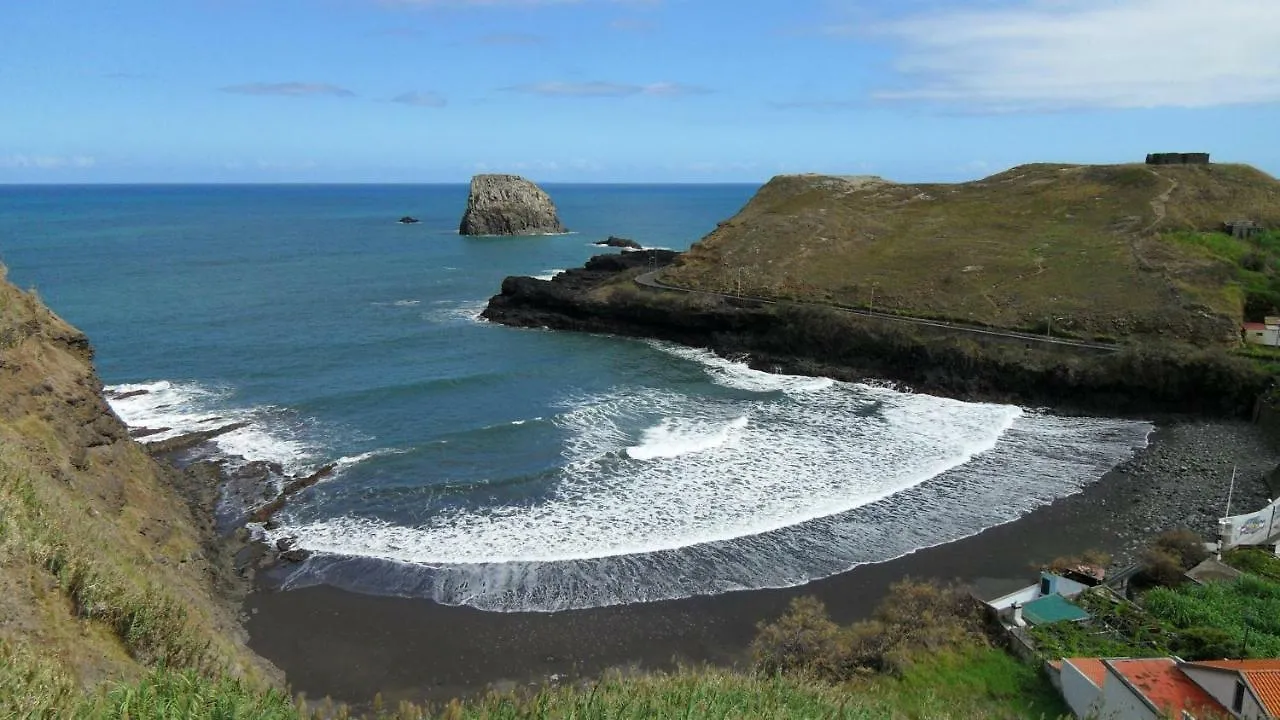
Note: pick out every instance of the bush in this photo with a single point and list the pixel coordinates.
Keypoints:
(1205, 643)
(1183, 544)
(1161, 568)
(914, 617)
(803, 640)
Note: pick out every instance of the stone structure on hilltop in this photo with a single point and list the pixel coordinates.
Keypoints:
(1178, 159)
(508, 205)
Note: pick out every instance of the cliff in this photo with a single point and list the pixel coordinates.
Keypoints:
(508, 205)
(1107, 252)
(937, 358)
(106, 569)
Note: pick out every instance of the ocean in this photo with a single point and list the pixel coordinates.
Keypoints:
(505, 469)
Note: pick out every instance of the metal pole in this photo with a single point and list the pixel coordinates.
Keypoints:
(1231, 490)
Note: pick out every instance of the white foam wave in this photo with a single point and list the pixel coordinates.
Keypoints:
(665, 494)
(737, 374)
(406, 303)
(548, 275)
(185, 407)
(347, 461)
(674, 437)
(457, 311)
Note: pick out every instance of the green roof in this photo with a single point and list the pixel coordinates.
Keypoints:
(1051, 609)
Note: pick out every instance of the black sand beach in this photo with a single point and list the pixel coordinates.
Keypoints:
(350, 646)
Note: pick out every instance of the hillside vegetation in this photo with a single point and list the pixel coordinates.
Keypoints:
(105, 572)
(1100, 252)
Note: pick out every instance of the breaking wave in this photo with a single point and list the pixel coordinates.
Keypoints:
(776, 481)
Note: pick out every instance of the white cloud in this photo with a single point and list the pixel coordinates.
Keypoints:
(289, 89)
(1051, 54)
(421, 99)
(607, 89)
(47, 162)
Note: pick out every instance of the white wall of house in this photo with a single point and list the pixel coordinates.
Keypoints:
(1082, 696)
(1024, 596)
(1222, 686)
(1121, 703)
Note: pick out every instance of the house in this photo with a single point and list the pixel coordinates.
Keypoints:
(1263, 333)
(1040, 604)
(1249, 688)
(1158, 688)
(1135, 689)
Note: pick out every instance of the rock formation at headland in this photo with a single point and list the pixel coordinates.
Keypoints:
(508, 205)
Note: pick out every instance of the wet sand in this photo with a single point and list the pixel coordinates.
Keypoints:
(348, 646)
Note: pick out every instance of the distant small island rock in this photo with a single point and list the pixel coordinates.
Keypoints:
(619, 242)
(508, 205)
(406, 220)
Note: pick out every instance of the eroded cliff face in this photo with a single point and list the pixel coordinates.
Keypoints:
(508, 205)
(104, 566)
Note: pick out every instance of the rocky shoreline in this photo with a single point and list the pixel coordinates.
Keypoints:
(967, 363)
(229, 495)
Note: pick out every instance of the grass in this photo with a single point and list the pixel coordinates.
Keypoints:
(1115, 629)
(1093, 250)
(1247, 611)
(1253, 263)
(972, 682)
(1254, 561)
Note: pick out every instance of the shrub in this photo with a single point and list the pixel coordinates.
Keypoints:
(1183, 544)
(804, 639)
(1161, 568)
(1205, 643)
(914, 617)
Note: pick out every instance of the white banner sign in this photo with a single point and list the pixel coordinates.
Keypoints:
(1252, 529)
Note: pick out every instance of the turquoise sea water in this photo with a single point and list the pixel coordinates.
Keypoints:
(510, 469)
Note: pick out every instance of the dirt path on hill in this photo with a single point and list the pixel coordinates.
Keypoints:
(1160, 203)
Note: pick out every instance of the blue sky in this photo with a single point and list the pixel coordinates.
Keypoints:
(625, 90)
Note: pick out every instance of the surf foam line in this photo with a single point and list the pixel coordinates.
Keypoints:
(273, 434)
(821, 477)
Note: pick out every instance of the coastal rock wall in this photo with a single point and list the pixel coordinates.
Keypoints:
(508, 205)
(94, 535)
(812, 340)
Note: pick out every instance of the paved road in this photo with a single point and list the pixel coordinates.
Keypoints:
(650, 280)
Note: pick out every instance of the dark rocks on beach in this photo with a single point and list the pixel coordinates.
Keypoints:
(619, 242)
(295, 555)
(508, 205)
(141, 432)
(1182, 481)
(127, 395)
(190, 440)
(406, 220)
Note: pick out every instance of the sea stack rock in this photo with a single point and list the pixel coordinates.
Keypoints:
(508, 205)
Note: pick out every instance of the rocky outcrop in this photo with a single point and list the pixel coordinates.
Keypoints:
(408, 220)
(620, 242)
(810, 339)
(508, 205)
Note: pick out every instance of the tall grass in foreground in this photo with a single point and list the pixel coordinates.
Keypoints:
(958, 687)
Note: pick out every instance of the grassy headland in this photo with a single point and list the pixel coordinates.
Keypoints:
(105, 572)
(1096, 252)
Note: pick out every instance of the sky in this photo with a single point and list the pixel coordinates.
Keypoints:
(253, 91)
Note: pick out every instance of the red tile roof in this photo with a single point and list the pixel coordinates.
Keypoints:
(1266, 686)
(1091, 668)
(1254, 326)
(1164, 685)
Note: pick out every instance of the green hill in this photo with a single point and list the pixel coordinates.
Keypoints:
(1107, 251)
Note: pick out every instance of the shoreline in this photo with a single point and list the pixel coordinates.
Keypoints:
(351, 646)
